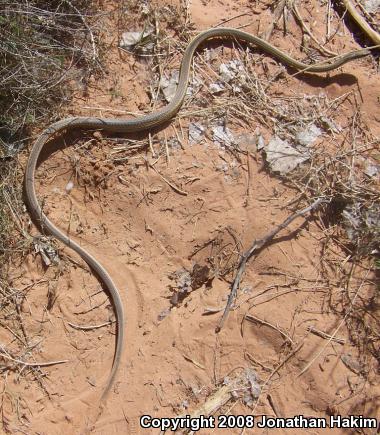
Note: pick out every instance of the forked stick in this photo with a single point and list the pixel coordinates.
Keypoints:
(258, 244)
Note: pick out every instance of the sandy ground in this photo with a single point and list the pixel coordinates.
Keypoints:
(149, 235)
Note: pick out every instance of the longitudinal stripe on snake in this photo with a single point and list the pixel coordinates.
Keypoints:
(145, 122)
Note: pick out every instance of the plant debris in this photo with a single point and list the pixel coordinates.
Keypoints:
(362, 225)
(308, 135)
(186, 282)
(371, 6)
(49, 254)
(282, 157)
(141, 42)
(246, 386)
(196, 132)
(223, 137)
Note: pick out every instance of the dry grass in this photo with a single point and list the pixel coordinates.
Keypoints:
(44, 47)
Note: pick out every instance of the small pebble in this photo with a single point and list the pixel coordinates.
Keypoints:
(69, 186)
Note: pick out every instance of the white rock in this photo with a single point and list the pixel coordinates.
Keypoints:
(282, 157)
(196, 132)
(372, 170)
(331, 125)
(372, 6)
(223, 136)
(250, 141)
(308, 135)
(69, 186)
(217, 87)
(130, 39)
(260, 142)
(169, 86)
(230, 70)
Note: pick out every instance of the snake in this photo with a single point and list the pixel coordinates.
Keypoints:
(361, 22)
(143, 123)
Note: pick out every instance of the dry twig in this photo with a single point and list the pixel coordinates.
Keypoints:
(254, 319)
(91, 327)
(258, 244)
(169, 183)
(32, 364)
(324, 335)
(320, 47)
(279, 10)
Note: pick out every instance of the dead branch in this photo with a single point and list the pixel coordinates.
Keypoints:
(303, 25)
(258, 244)
(255, 319)
(32, 364)
(322, 334)
(172, 185)
(277, 15)
(91, 327)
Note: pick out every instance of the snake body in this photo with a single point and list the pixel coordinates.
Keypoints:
(144, 122)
